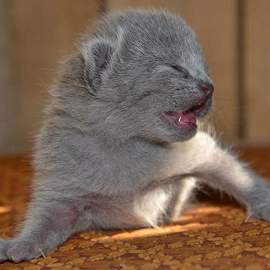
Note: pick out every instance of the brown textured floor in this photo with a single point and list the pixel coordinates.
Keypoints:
(213, 236)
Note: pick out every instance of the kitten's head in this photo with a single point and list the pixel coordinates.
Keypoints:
(146, 77)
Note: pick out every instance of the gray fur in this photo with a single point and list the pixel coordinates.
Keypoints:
(106, 157)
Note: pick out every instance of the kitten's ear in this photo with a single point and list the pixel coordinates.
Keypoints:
(97, 56)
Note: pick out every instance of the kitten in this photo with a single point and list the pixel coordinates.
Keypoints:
(120, 146)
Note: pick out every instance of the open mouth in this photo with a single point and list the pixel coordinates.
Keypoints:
(187, 119)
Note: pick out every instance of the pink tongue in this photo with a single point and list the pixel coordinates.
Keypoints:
(188, 117)
(185, 118)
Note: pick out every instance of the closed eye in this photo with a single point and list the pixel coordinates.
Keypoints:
(180, 69)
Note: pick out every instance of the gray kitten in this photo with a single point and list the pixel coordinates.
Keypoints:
(120, 146)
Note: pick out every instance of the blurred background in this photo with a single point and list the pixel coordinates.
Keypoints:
(36, 34)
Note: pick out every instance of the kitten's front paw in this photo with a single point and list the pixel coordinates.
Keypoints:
(19, 250)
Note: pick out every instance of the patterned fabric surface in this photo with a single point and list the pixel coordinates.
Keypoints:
(212, 236)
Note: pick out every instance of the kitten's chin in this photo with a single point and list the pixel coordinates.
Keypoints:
(180, 136)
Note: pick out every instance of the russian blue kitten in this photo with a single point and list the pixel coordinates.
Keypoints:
(120, 146)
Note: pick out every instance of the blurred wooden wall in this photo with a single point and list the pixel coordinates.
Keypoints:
(9, 141)
(256, 68)
(36, 34)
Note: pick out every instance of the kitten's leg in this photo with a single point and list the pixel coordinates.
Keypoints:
(204, 158)
(47, 225)
(181, 197)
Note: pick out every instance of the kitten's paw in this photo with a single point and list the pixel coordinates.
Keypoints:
(19, 250)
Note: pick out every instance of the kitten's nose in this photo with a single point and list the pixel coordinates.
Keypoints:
(208, 88)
